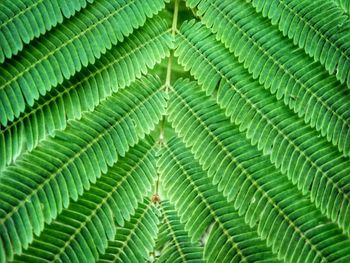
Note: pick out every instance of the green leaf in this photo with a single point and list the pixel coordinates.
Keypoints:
(66, 49)
(113, 71)
(251, 161)
(83, 230)
(136, 238)
(22, 21)
(319, 27)
(177, 246)
(286, 70)
(295, 148)
(204, 209)
(288, 221)
(60, 168)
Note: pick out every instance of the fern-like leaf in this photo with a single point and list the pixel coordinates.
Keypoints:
(250, 161)
(286, 70)
(134, 241)
(22, 21)
(177, 245)
(82, 231)
(114, 70)
(64, 50)
(288, 221)
(320, 27)
(61, 168)
(297, 149)
(202, 207)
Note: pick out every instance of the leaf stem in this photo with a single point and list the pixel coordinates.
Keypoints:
(173, 33)
(168, 81)
(167, 85)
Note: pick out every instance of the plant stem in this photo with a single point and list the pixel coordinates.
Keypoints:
(169, 67)
(168, 79)
(173, 33)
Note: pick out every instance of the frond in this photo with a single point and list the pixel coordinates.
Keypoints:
(177, 244)
(289, 222)
(202, 207)
(63, 51)
(233, 115)
(295, 148)
(113, 71)
(43, 181)
(135, 240)
(320, 27)
(82, 231)
(22, 21)
(286, 70)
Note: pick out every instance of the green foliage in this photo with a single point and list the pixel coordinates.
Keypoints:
(66, 49)
(42, 182)
(344, 4)
(116, 69)
(175, 131)
(21, 21)
(283, 68)
(201, 206)
(136, 238)
(320, 28)
(292, 145)
(175, 243)
(81, 232)
(247, 177)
